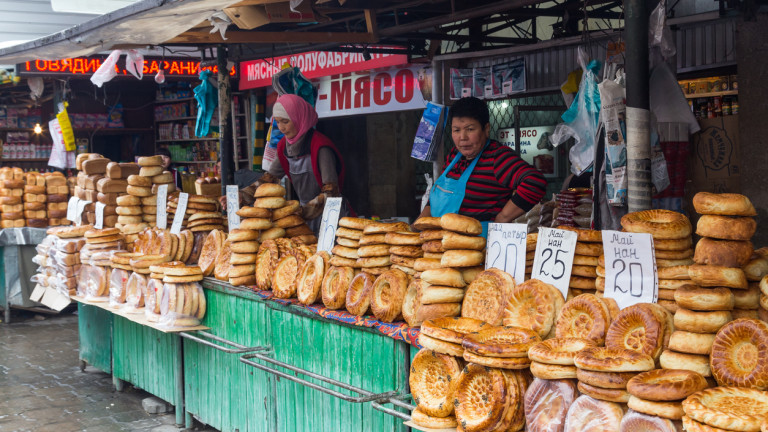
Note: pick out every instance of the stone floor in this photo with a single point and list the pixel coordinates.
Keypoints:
(42, 388)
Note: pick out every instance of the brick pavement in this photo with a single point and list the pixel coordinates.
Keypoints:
(42, 388)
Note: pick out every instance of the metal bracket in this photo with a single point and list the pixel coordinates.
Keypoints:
(238, 349)
(366, 396)
(397, 401)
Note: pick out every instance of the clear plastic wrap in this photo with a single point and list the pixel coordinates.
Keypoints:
(152, 290)
(68, 245)
(546, 404)
(97, 284)
(134, 292)
(181, 305)
(635, 421)
(41, 260)
(118, 279)
(82, 279)
(587, 414)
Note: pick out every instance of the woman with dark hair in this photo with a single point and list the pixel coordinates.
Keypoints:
(482, 179)
(167, 164)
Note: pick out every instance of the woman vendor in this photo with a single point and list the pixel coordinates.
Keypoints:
(482, 179)
(311, 161)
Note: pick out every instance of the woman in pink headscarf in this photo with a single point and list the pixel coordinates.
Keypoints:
(312, 163)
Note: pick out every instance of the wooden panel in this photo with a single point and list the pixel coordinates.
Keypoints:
(95, 332)
(363, 359)
(146, 358)
(220, 390)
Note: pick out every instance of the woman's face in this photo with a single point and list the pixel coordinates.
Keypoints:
(469, 136)
(166, 161)
(286, 127)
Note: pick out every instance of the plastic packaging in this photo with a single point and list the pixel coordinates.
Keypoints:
(152, 290)
(182, 305)
(659, 35)
(635, 421)
(589, 414)
(118, 280)
(546, 404)
(82, 280)
(107, 71)
(134, 63)
(97, 284)
(134, 293)
(581, 119)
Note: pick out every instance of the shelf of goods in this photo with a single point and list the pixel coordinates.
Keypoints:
(712, 94)
(290, 331)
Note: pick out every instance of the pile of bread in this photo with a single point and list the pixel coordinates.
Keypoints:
(586, 274)
(58, 258)
(138, 208)
(273, 217)
(32, 199)
(202, 214)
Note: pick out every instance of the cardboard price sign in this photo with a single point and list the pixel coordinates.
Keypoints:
(630, 268)
(506, 249)
(72, 208)
(99, 224)
(328, 224)
(233, 205)
(162, 210)
(553, 260)
(181, 209)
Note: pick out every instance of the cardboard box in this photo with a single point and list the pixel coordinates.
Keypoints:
(249, 17)
(714, 159)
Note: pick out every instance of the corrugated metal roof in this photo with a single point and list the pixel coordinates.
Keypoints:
(148, 22)
(706, 45)
(24, 20)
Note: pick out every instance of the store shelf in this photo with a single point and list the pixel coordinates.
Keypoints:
(193, 162)
(176, 119)
(712, 94)
(113, 131)
(170, 101)
(187, 140)
(25, 160)
(10, 129)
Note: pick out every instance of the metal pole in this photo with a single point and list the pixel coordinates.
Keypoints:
(638, 114)
(226, 155)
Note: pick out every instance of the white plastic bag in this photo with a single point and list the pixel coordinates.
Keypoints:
(581, 119)
(134, 63)
(659, 34)
(107, 69)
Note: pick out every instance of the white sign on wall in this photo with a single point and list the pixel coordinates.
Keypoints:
(543, 159)
(370, 92)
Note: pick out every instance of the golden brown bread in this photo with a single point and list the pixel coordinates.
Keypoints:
(726, 228)
(740, 354)
(666, 384)
(724, 253)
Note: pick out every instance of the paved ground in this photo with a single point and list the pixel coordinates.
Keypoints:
(42, 388)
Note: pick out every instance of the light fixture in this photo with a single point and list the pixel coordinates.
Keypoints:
(504, 105)
(38, 130)
(366, 54)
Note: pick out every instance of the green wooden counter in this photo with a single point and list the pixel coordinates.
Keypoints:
(95, 334)
(223, 392)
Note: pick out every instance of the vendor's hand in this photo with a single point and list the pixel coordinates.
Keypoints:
(223, 202)
(314, 208)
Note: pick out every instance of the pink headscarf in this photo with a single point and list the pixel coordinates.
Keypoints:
(303, 116)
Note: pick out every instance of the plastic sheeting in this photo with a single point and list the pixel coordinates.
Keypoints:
(18, 250)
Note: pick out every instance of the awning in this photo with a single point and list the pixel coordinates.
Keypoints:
(148, 22)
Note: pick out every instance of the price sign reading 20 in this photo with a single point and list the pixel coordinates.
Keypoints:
(630, 268)
(328, 224)
(506, 249)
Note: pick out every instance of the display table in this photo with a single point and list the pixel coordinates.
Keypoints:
(262, 365)
(17, 248)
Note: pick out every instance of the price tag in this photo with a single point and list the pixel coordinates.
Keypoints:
(161, 203)
(99, 215)
(79, 215)
(506, 248)
(233, 205)
(328, 224)
(630, 268)
(72, 208)
(181, 209)
(553, 260)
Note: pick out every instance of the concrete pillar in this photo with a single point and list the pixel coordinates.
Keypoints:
(752, 57)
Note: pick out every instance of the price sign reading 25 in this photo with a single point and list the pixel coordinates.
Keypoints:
(630, 268)
(506, 249)
(553, 260)
(328, 224)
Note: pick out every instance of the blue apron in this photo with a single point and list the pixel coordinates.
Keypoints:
(447, 194)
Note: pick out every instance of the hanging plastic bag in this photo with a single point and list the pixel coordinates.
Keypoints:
(134, 63)
(290, 80)
(207, 100)
(612, 97)
(582, 118)
(66, 128)
(659, 34)
(107, 70)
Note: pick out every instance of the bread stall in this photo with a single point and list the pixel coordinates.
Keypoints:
(264, 323)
